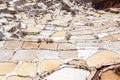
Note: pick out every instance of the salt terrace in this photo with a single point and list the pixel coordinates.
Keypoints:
(58, 40)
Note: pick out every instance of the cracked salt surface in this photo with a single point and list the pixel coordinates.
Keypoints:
(68, 74)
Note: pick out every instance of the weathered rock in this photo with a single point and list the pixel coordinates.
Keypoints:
(102, 4)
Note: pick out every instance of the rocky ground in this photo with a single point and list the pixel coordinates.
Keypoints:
(58, 40)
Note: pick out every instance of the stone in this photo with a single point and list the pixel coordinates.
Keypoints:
(48, 54)
(25, 55)
(27, 69)
(30, 45)
(66, 46)
(68, 54)
(68, 74)
(18, 78)
(48, 65)
(50, 46)
(6, 68)
(6, 55)
(13, 44)
(104, 57)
